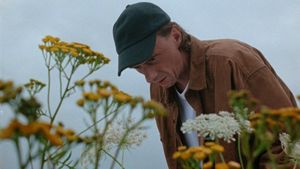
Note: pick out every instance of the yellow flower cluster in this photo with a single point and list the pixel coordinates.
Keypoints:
(54, 134)
(156, 107)
(8, 91)
(84, 53)
(34, 83)
(200, 153)
(276, 117)
(104, 90)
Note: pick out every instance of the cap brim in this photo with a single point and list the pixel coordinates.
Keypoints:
(137, 53)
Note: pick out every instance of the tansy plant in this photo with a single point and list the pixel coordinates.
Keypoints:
(202, 157)
(111, 126)
(256, 134)
(267, 124)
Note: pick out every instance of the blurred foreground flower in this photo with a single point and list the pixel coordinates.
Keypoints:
(50, 144)
(291, 148)
(194, 157)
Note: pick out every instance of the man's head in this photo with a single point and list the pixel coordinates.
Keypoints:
(135, 33)
(156, 48)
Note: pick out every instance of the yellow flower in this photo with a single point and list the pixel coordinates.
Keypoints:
(29, 129)
(150, 115)
(80, 102)
(9, 131)
(79, 45)
(185, 155)
(65, 50)
(74, 53)
(182, 148)
(208, 165)
(196, 149)
(176, 155)
(207, 151)
(199, 156)
(54, 139)
(54, 49)
(122, 97)
(222, 166)
(90, 96)
(87, 51)
(209, 144)
(217, 148)
(79, 83)
(104, 92)
(234, 165)
(157, 107)
(42, 47)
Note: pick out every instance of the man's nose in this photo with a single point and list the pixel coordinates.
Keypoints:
(150, 77)
(149, 74)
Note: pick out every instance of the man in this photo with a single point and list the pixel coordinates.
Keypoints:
(189, 76)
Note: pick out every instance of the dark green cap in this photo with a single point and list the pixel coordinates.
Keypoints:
(135, 33)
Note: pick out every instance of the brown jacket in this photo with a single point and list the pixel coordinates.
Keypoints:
(217, 67)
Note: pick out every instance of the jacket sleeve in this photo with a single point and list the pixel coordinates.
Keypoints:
(251, 71)
(265, 86)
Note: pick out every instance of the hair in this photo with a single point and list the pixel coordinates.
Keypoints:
(185, 45)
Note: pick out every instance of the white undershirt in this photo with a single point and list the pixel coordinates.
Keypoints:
(187, 112)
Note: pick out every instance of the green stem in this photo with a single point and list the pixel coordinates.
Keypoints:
(19, 153)
(29, 153)
(48, 88)
(240, 153)
(43, 156)
(60, 84)
(295, 165)
(123, 138)
(98, 147)
(63, 96)
(222, 157)
(113, 158)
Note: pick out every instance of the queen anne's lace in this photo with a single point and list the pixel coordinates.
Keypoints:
(292, 149)
(113, 138)
(117, 130)
(214, 126)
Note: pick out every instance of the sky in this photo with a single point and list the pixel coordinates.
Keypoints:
(270, 26)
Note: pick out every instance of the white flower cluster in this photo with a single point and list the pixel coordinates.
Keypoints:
(214, 126)
(292, 149)
(116, 132)
(244, 124)
(112, 138)
(87, 157)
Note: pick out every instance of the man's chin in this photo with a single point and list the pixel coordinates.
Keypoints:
(166, 85)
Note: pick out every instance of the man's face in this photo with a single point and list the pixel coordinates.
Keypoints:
(166, 63)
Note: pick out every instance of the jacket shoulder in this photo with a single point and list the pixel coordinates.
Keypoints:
(243, 56)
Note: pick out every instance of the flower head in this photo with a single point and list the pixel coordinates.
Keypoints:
(214, 126)
(117, 131)
(291, 148)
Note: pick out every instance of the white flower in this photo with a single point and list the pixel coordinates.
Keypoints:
(214, 126)
(112, 138)
(116, 132)
(291, 148)
(87, 157)
(244, 123)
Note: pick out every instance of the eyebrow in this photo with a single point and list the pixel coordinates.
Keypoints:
(136, 66)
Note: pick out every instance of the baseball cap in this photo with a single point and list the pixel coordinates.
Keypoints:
(134, 33)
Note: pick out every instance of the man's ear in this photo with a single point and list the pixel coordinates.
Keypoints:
(176, 34)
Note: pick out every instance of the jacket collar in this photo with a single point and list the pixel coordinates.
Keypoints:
(197, 64)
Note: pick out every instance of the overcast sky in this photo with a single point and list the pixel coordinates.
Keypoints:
(271, 26)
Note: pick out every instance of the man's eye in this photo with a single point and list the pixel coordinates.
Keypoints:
(151, 60)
